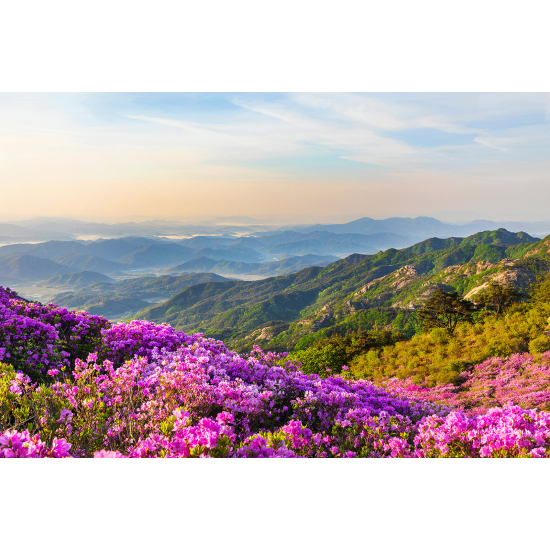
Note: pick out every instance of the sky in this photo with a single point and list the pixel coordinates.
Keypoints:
(283, 156)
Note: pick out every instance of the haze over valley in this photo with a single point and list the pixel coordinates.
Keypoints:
(127, 267)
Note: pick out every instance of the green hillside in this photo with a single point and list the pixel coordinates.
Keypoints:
(358, 292)
(115, 298)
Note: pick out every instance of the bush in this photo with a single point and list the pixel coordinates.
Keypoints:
(427, 355)
(329, 355)
(450, 371)
(36, 338)
(540, 344)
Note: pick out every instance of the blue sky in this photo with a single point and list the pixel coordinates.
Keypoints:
(289, 156)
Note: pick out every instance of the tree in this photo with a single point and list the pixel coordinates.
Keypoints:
(445, 310)
(540, 290)
(499, 297)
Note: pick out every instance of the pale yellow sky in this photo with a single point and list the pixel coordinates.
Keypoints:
(274, 155)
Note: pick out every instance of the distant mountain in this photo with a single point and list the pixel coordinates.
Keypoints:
(12, 230)
(57, 228)
(196, 243)
(425, 227)
(237, 219)
(265, 269)
(17, 267)
(20, 233)
(421, 227)
(230, 254)
(72, 254)
(196, 265)
(76, 280)
(47, 250)
(88, 263)
(8, 240)
(154, 255)
(116, 249)
(323, 242)
(41, 229)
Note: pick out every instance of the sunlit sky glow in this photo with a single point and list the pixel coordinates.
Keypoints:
(281, 156)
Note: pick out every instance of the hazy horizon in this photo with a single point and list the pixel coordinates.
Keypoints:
(458, 218)
(294, 158)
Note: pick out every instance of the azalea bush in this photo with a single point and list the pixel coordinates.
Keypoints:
(522, 379)
(144, 390)
(35, 338)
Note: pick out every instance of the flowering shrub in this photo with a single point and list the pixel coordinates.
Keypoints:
(502, 432)
(21, 445)
(122, 341)
(518, 379)
(146, 390)
(36, 338)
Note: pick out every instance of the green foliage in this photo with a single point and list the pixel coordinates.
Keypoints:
(498, 297)
(534, 264)
(540, 290)
(444, 310)
(489, 253)
(540, 344)
(430, 357)
(450, 371)
(329, 355)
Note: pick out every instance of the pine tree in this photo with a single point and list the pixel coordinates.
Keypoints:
(499, 297)
(445, 310)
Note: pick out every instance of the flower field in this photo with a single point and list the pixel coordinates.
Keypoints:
(75, 385)
(519, 379)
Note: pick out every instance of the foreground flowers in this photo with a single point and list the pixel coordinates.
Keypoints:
(520, 379)
(147, 390)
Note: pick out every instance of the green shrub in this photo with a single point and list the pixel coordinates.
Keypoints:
(450, 371)
(366, 365)
(436, 356)
(540, 344)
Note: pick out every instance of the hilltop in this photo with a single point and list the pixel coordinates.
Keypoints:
(77, 280)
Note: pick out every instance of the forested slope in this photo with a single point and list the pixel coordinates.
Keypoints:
(358, 291)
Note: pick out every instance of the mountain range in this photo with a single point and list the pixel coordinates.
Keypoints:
(357, 291)
(255, 252)
(76, 280)
(41, 229)
(266, 269)
(127, 254)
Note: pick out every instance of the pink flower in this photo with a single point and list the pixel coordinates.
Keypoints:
(109, 454)
(65, 415)
(60, 448)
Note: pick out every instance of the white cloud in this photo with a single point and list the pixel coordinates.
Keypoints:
(482, 141)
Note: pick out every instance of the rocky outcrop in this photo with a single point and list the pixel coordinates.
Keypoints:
(397, 279)
(514, 276)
